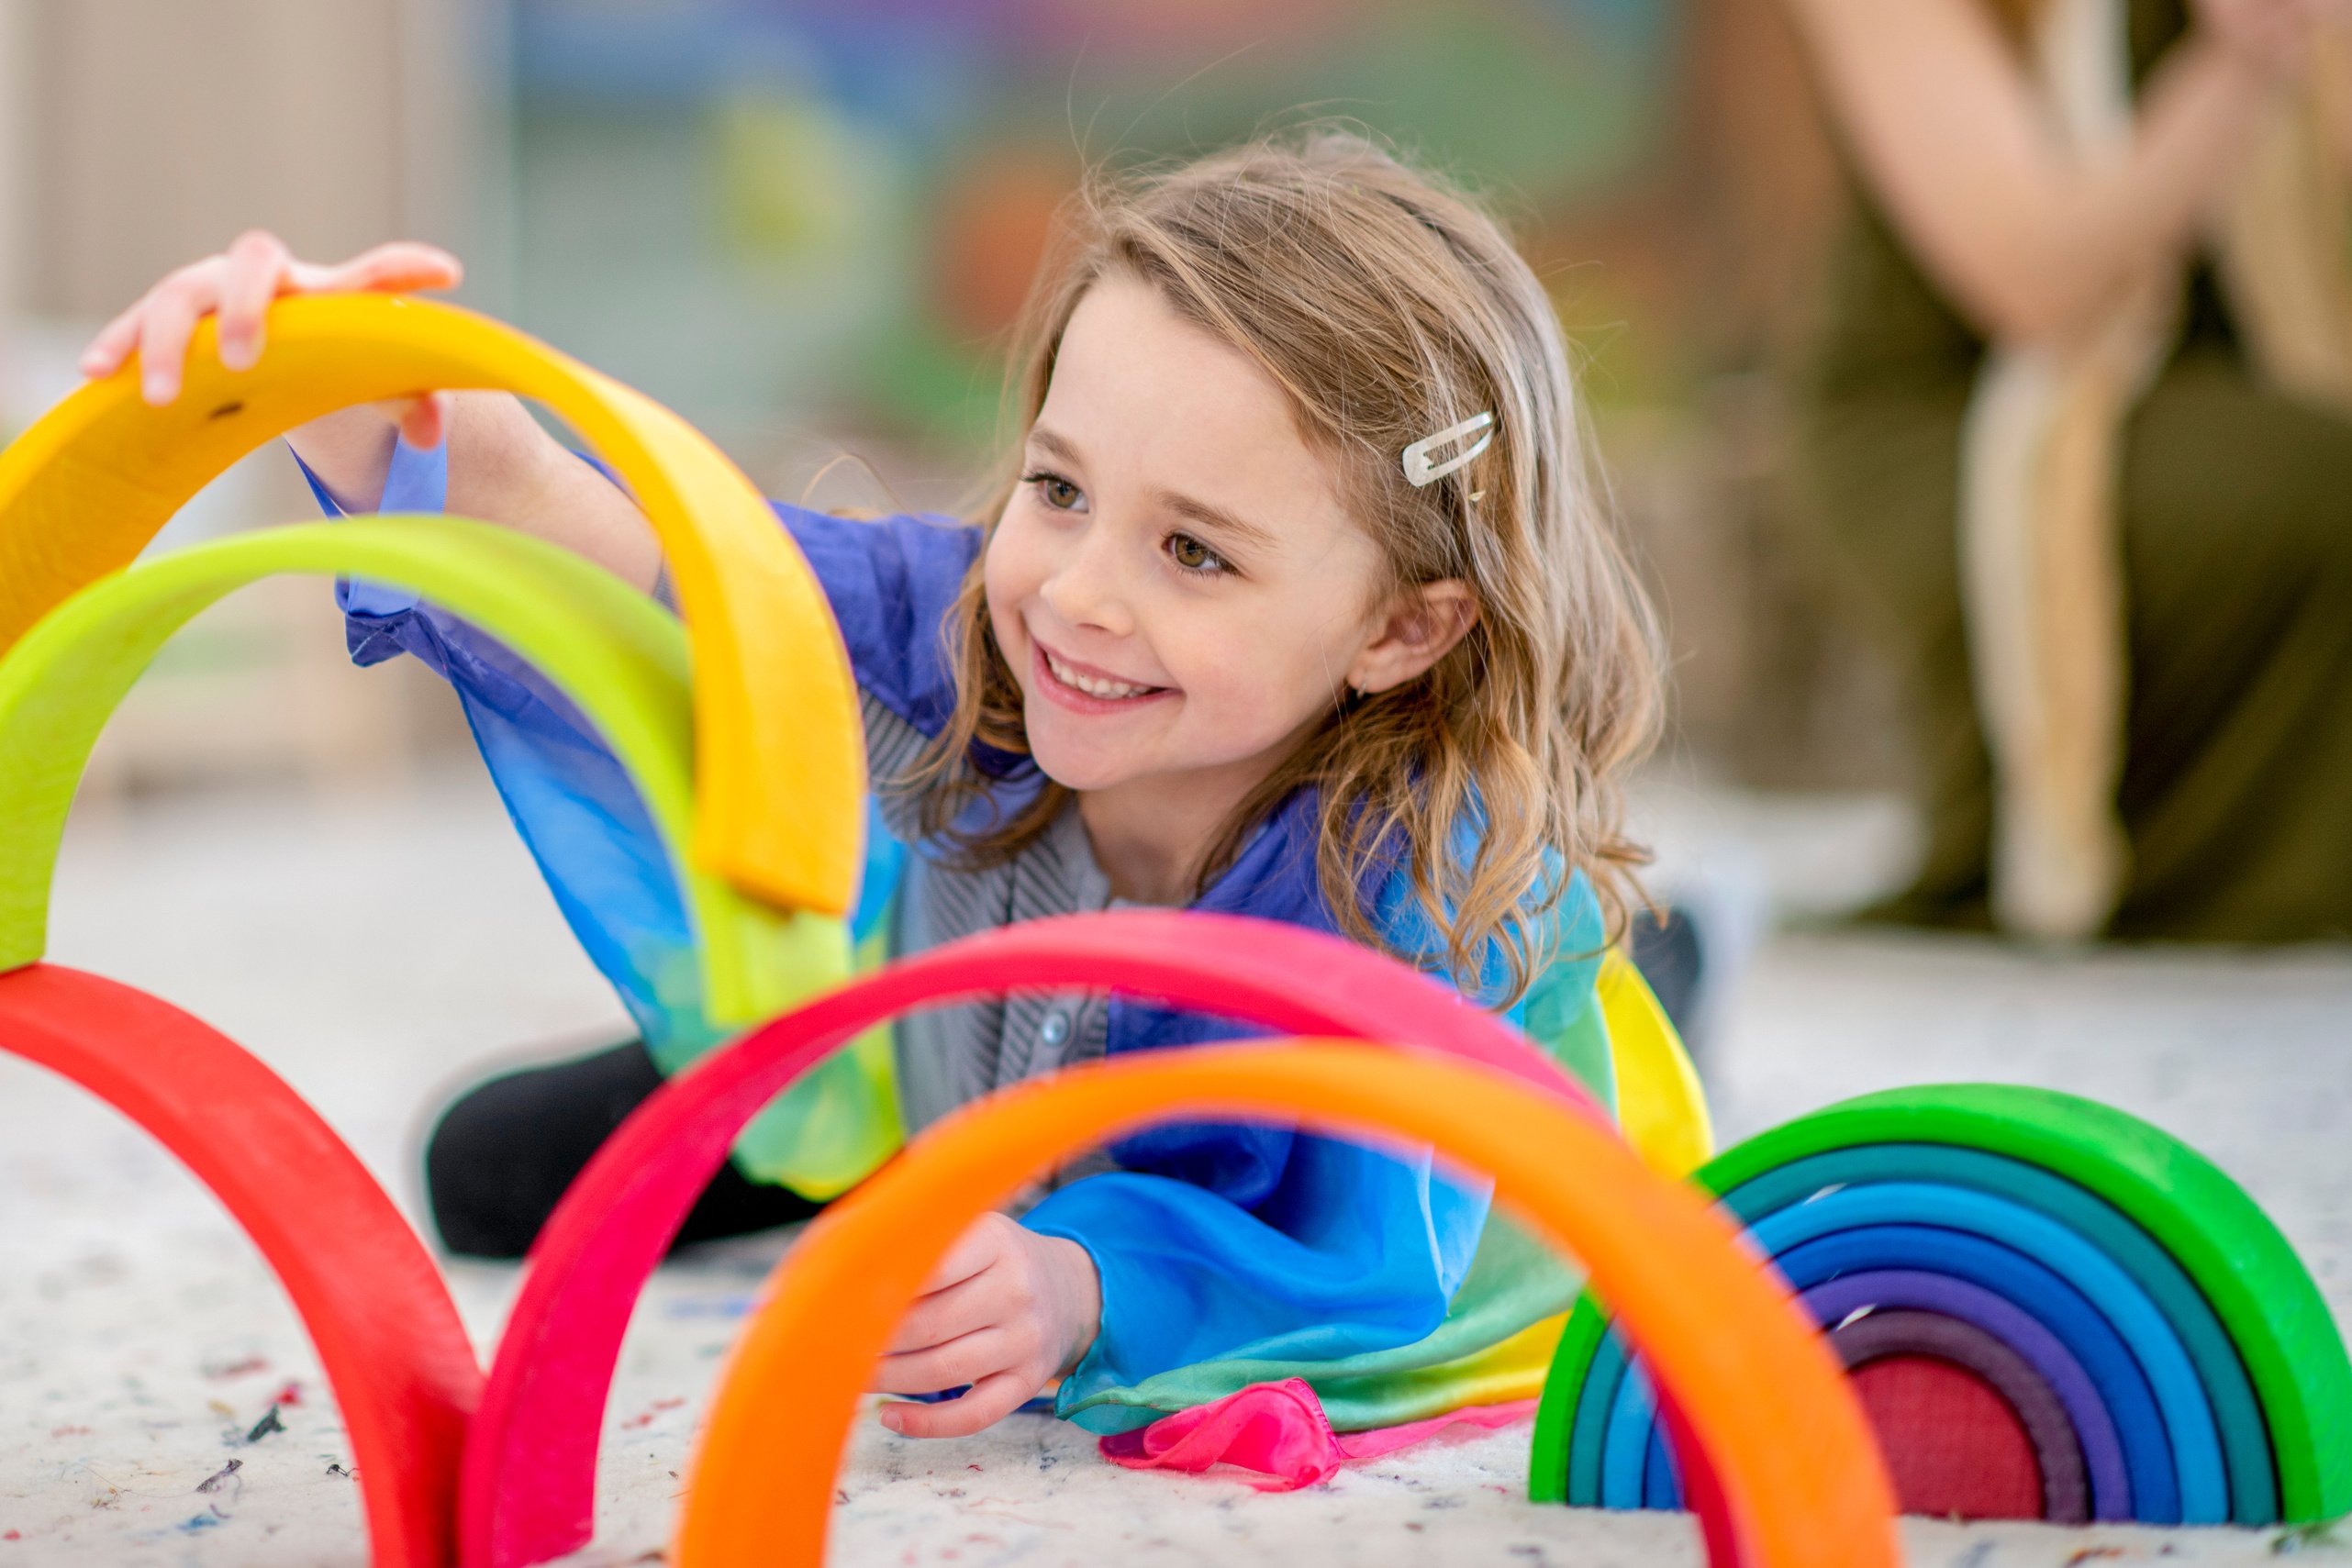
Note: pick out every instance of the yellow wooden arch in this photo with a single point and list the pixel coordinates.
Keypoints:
(779, 752)
(1659, 1103)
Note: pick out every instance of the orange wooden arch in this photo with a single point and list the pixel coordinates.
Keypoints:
(1801, 1483)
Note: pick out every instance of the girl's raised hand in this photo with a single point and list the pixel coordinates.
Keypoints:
(239, 284)
(1006, 1312)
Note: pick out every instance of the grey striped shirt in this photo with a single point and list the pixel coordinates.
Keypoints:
(948, 1055)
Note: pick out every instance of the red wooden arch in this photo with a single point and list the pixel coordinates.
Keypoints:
(367, 1289)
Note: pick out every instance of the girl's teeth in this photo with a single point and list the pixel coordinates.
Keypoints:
(1088, 685)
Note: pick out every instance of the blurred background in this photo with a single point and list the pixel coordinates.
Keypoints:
(806, 224)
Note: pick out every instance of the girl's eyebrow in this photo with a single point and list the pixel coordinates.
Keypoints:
(1055, 444)
(1215, 516)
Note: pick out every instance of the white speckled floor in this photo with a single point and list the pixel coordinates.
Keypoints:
(375, 951)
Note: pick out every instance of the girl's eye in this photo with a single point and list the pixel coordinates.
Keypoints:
(1057, 492)
(1193, 556)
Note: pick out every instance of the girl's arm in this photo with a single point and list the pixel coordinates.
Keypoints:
(2027, 238)
(504, 467)
(1357, 1250)
(1352, 1256)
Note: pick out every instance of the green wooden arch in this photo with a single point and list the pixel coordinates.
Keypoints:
(2248, 1271)
(88, 484)
(614, 652)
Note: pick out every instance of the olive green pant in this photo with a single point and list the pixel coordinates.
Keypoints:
(2237, 506)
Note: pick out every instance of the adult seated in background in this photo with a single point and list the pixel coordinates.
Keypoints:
(2080, 417)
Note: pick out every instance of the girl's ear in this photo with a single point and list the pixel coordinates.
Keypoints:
(1421, 628)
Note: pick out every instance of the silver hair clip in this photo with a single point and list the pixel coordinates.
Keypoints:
(1419, 470)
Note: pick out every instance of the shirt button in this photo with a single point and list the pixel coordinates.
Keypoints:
(1055, 1030)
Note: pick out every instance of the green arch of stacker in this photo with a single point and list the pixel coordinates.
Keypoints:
(614, 653)
(2249, 1272)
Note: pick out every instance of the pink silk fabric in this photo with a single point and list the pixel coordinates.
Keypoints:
(1276, 1435)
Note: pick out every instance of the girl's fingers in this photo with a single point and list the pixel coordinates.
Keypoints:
(257, 268)
(113, 342)
(947, 1314)
(991, 1400)
(980, 1245)
(969, 1360)
(424, 421)
(165, 326)
(399, 266)
(240, 283)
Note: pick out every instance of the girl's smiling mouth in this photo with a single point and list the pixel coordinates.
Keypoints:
(1083, 688)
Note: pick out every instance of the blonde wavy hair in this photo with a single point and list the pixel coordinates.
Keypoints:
(1388, 305)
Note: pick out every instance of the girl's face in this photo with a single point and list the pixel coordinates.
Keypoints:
(1175, 582)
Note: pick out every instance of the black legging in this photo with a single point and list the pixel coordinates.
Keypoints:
(501, 1157)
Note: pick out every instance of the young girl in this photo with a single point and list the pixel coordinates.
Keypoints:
(1295, 600)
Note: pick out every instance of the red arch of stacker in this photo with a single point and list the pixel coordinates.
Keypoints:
(375, 1305)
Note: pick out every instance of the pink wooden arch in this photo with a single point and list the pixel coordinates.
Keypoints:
(529, 1489)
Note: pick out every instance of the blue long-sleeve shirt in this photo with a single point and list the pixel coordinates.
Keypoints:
(1214, 1242)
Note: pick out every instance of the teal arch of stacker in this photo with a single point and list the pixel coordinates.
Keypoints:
(2269, 1363)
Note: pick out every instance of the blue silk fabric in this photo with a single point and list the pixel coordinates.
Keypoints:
(1266, 1251)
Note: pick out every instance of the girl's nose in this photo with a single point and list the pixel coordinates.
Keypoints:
(1087, 586)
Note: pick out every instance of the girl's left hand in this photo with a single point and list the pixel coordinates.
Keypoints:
(1006, 1311)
